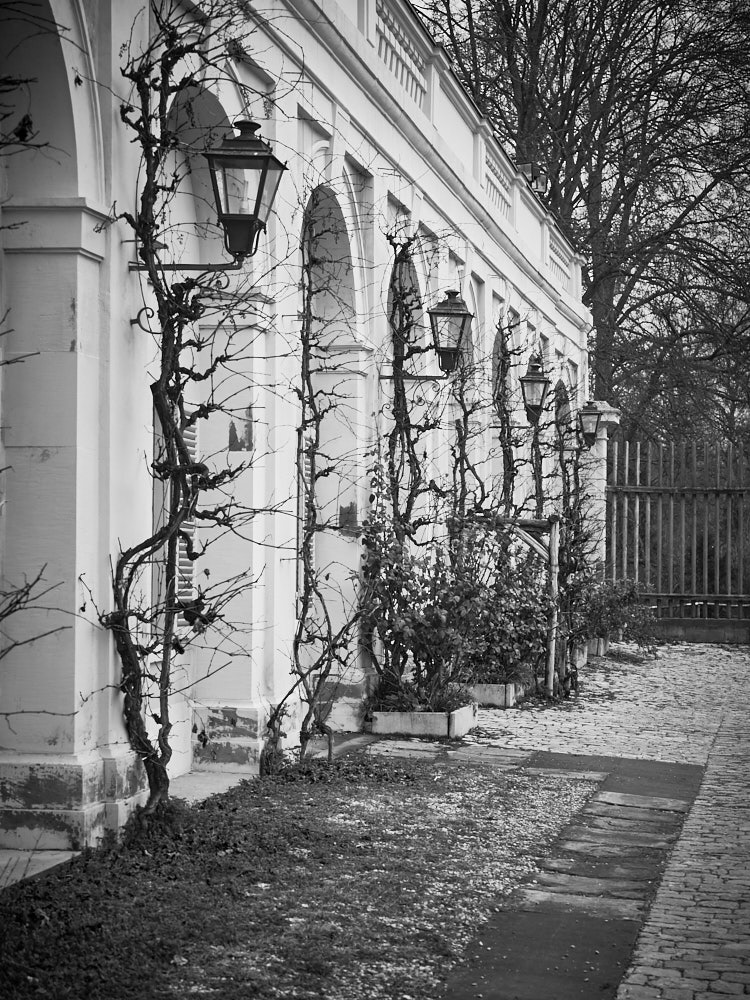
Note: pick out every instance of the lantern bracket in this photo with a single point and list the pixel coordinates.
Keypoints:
(234, 265)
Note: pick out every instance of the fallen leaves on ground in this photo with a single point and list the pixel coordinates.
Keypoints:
(366, 879)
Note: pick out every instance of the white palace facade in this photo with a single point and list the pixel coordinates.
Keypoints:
(381, 143)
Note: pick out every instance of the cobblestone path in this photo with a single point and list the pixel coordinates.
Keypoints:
(668, 708)
(687, 706)
(696, 942)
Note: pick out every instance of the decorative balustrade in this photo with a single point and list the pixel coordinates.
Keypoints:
(497, 185)
(400, 54)
(559, 261)
(408, 53)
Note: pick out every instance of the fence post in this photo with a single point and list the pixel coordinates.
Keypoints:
(595, 482)
(554, 563)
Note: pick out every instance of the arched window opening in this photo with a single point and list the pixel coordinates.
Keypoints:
(406, 315)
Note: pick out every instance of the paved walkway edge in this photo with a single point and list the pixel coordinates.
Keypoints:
(695, 944)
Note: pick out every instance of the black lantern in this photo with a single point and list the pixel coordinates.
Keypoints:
(245, 176)
(588, 423)
(534, 386)
(450, 321)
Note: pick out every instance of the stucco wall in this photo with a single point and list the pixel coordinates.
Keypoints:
(356, 101)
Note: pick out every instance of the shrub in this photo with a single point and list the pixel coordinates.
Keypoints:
(606, 609)
(470, 608)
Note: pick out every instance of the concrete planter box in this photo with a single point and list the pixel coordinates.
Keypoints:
(579, 655)
(499, 695)
(598, 647)
(451, 724)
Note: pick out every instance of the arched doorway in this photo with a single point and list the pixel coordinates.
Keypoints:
(58, 677)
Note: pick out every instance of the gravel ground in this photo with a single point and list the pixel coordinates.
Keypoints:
(667, 707)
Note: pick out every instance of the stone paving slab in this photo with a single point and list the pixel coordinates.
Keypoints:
(627, 813)
(579, 775)
(644, 801)
(583, 884)
(485, 753)
(619, 838)
(598, 849)
(647, 820)
(198, 785)
(591, 867)
(593, 905)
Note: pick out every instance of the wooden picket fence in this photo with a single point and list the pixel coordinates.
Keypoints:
(678, 524)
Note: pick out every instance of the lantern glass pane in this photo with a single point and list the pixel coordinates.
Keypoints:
(237, 188)
(269, 189)
(589, 422)
(535, 390)
(448, 329)
(589, 417)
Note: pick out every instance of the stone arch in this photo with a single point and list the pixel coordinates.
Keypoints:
(53, 404)
(336, 371)
(60, 99)
(564, 426)
(335, 363)
(326, 254)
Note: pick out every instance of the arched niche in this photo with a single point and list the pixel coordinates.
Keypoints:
(190, 228)
(564, 426)
(330, 317)
(503, 400)
(329, 274)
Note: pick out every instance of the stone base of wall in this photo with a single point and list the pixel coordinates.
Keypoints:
(345, 700)
(228, 737)
(66, 802)
(231, 737)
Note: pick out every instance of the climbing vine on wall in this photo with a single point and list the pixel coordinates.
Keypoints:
(190, 318)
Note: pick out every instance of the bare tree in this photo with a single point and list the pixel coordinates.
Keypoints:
(637, 111)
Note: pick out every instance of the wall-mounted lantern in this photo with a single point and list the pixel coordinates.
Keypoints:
(245, 176)
(534, 387)
(588, 423)
(450, 321)
(537, 176)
